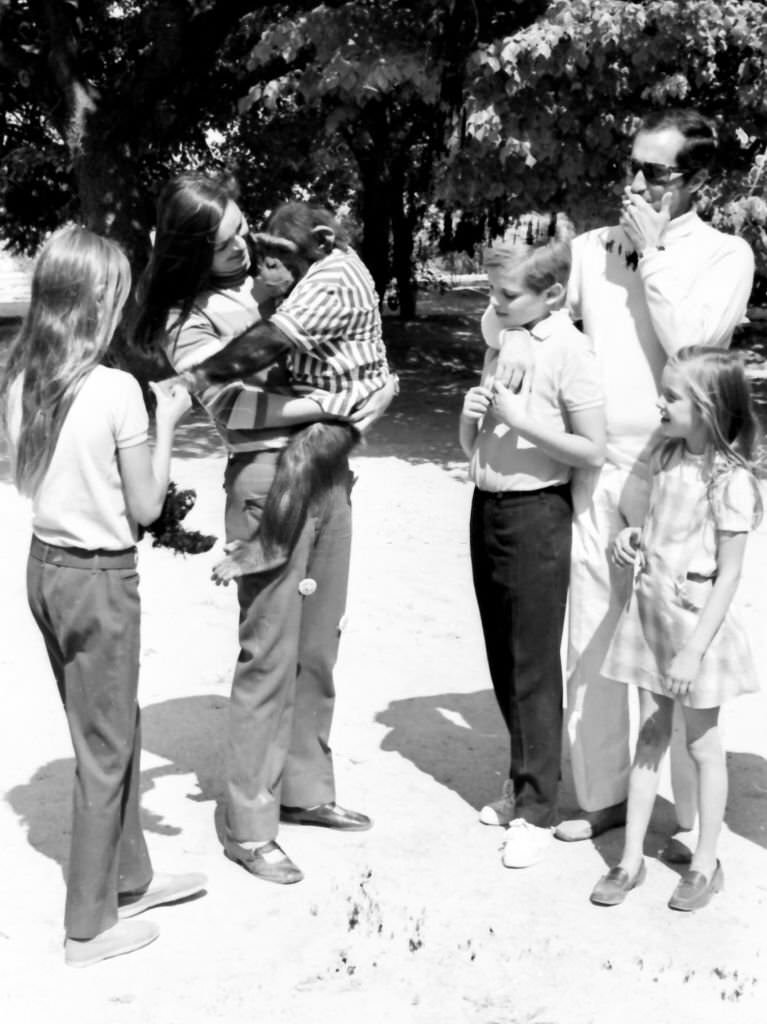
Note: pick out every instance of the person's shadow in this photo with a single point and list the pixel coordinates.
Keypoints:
(460, 740)
(188, 733)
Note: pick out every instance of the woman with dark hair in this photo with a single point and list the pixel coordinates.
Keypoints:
(196, 296)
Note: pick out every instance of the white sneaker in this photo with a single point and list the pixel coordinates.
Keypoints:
(162, 889)
(123, 937)
(500, 812)
(525, 844)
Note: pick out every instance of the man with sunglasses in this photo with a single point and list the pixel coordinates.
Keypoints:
(658, 280)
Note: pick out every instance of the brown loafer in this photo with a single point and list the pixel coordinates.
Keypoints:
(591, 824)
(612, 888)
(695, 890)
(326, 816)
(269, 862)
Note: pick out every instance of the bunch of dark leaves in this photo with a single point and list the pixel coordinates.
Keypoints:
(167, 530)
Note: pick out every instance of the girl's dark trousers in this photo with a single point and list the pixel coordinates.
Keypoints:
(86, 605)
(520, 554)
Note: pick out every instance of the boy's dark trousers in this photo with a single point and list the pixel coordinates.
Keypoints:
(520, 554)
(87, 608)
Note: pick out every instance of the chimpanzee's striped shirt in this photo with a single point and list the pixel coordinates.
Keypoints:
(240, 411)
(333, 318)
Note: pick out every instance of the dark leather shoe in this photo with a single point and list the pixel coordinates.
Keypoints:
(591, 824)
(269, 862)
(326, 816)
(695, 890)
(612, 888)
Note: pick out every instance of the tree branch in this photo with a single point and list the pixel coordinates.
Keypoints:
(57, 22)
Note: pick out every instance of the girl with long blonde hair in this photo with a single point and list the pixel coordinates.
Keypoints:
(78, 438)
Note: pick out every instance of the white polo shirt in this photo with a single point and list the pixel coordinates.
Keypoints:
(565, 379)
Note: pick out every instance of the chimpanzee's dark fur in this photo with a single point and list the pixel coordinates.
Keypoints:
(254, 350)
(307, 468)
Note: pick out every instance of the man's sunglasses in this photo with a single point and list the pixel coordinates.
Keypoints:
(653, 174)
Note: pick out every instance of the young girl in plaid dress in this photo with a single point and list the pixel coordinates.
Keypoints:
(678, 639)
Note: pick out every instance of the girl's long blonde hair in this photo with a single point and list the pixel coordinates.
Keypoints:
(719, 391)
(79, 286)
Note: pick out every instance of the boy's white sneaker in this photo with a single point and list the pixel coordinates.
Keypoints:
(500, 812)
(525, 844)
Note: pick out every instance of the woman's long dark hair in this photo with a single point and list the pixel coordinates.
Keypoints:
(189, 211)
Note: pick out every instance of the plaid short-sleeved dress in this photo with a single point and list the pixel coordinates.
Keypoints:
(676, 566)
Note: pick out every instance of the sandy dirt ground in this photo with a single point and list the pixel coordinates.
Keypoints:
(417, 920)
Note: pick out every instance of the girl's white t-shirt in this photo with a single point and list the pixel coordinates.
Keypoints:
(80, 501)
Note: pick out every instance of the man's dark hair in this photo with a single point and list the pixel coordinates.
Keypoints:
(700, 137)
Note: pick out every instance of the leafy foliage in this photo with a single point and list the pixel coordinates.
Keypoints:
(382, 80)
(99, 101)
(550, 109)
(483, 107)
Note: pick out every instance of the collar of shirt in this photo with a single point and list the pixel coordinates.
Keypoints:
(549, 325)
(681, 226)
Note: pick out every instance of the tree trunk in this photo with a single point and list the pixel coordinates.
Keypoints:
(376, 221)
(402, 252)
(111, 202)
(402, 222)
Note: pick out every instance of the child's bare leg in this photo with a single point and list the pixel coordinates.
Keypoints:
(243, 557)
(705, 745)
(655, 716)
(684, 779)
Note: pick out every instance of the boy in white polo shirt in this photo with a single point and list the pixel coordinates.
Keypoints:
(522, 449)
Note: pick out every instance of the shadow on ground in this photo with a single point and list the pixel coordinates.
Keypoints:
(188, 733)
(460, 741)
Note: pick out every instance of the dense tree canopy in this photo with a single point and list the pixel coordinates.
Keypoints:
(102, 101)
(384, 79)
(489, 108)
(98, 99)
(550, 110)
